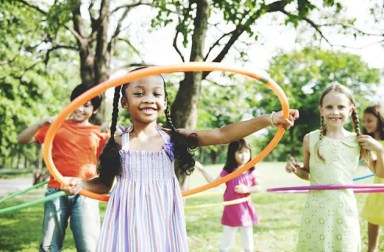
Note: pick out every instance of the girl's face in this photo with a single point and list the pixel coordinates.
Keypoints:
(336, 108)
(370, 123)
(145, 99)
(242, 156)
(83, 113)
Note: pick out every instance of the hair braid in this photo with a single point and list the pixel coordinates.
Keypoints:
(184, 145)
(323, 132)
(109, 161)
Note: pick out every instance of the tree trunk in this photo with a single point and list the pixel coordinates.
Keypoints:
(184, 109)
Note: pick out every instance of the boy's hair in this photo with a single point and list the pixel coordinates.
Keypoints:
(82, 88)
(337, 88)
(378, 112)
(184, 146)
(231, 162)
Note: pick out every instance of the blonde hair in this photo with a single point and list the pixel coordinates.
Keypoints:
(337, 88)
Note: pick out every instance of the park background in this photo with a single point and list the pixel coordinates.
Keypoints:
(48, 47)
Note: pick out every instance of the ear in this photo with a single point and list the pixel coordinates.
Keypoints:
(321, 110)
(124, 102)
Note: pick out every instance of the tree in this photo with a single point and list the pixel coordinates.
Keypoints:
(303, 75)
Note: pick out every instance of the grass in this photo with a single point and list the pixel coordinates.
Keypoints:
(279, 213)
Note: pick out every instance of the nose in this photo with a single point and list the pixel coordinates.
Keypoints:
(148, 99)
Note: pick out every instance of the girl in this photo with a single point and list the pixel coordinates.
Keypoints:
(243, 215)
(373, 123)
(145, 210)
(330, 218)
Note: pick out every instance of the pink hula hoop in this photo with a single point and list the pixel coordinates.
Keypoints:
(368, 188)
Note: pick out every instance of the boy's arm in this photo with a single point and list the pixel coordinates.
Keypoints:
(27, 135)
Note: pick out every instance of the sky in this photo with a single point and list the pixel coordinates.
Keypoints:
(157, 49)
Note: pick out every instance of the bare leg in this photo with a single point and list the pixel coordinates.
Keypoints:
(373, 237)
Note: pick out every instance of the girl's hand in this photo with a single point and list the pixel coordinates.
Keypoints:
(369, 143)
(242, 189)
(292, 166)
(72, 186)
(286, 123)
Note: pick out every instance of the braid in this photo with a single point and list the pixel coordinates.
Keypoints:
(355, 121)
(109, 161)
(323, 132)
(184, 145)
(364, 153)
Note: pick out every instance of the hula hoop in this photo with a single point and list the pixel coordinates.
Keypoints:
(13, 195)
(368, 188)
(157, 70)
(31, 203)
(364, 177)
(225, 203)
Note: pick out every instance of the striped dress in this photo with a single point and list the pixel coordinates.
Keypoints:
(145, 209)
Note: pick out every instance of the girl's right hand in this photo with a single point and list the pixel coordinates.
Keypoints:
(72, 186)
(292, 166)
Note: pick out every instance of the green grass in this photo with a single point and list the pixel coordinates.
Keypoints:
(279, 217)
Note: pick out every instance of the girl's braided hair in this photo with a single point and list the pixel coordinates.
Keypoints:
(184, 146)
(337, 88)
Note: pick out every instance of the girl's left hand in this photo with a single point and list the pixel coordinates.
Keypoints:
(286, 123)
(369, 143)
(242, 189)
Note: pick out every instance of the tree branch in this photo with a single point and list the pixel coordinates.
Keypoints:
(57, 47)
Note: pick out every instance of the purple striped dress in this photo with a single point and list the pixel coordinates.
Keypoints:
(145, 210)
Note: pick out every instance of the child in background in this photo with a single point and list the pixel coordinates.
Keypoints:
(373, 124)
(330, 220)
(75, 151)
(241, 216)
(145, 210)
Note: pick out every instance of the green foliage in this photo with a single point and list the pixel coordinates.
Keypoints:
(304, 74)
(30, 90)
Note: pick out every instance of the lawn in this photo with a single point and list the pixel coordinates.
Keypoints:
(279, 213)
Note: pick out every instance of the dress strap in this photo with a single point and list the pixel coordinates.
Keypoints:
(166, 137)
(125, 137)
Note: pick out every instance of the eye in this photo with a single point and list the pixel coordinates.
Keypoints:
(138, 93)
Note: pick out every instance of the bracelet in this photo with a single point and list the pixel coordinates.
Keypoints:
(271, 119)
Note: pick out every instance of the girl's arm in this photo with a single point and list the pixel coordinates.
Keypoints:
(27, 136)
(249, 189)
(235, 131)
(95, 185)
(369, 143)
(206, 175)
(293, 166)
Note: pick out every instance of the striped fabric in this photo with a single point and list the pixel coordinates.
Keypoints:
(145, 210)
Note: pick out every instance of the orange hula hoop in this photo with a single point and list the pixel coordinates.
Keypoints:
(157, 70)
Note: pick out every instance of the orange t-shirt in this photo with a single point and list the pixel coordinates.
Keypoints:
(75, 149)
